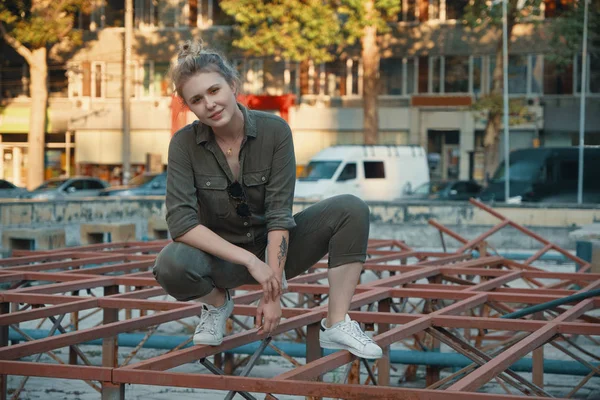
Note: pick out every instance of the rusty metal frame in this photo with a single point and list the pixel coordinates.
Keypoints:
(462, 294)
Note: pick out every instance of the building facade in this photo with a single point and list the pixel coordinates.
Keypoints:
(432, 70)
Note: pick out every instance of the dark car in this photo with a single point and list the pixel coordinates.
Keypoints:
(547, 174)
(60, 188)
(8, 190)
(446, 190)
(149, 184)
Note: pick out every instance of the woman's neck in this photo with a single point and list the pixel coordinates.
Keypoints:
(234, 129)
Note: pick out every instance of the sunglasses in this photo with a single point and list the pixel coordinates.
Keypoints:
(236, 193)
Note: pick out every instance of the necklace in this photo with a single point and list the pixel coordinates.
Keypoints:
(229, 151)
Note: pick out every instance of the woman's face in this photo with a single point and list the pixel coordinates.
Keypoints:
(209, 96)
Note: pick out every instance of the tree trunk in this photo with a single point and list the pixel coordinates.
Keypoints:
(491, 141)
(370, 59)
(38, 71)
(304, 65)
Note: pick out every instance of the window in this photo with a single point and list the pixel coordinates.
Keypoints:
(455, 9)
(78, 184)
(456, 71)
(97, 79)
(517, 73)
(332, 78)
(251, 73)
(142, 79)
(593, 73)
(162, 85)
(409, 11)
(353, 74)
(434, 9)
(348, 173)
(558, 80)
(412, 68)
(172, 13)
(57, 81)
(374, 170)
(391, 76)
(435, 73)
(145, 13)
(537, 73)
(477, 75)
(93, 184)
(316, 170)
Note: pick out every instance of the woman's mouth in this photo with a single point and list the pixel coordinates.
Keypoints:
(216, 115)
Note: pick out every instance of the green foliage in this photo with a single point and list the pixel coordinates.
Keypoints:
(42, 23)
(480, 13)
(494, 105)
(291, 29)
(566, 34)
(304, 29)
(355, 17)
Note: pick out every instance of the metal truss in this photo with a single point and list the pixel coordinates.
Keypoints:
(420, 299)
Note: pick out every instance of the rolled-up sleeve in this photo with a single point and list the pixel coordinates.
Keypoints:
(181, 200)
(279, 196)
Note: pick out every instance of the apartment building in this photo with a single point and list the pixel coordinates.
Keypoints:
(432, 71)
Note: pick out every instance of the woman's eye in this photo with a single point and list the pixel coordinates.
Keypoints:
(213, 91)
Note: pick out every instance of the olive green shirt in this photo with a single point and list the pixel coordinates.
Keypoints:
(198, 176)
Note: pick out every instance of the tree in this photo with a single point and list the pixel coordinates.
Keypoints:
(312, 30)
(293, 30)
(365, 21)
(566, 34)
(35, 29)
(481, 15)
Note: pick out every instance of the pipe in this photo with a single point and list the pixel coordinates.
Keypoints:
(552, 304)
(437, 359)
(524, 255)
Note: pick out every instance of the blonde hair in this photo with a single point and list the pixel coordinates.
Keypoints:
(193, 58)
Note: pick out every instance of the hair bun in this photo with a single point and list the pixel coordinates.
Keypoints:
(190, 48)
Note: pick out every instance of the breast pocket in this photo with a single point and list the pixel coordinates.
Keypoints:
(255, 183)
(212, 196)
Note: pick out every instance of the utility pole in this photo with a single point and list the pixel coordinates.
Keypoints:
(126, 146)
(582, 104)
(505, 102)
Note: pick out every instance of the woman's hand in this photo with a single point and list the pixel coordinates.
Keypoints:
(265, 276)
(268, 316)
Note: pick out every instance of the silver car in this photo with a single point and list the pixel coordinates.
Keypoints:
(60, 188)
(8, 190)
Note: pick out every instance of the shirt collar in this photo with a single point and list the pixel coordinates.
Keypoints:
(204, 132)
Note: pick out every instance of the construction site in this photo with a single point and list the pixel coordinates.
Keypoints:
(460, 322)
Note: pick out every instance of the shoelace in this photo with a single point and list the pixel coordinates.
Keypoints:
(353, 328)
(208, 321)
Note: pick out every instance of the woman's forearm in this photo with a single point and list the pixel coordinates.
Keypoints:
(277, 250)
(206, 240)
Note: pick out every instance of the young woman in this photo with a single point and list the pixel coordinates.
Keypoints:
(230, 188)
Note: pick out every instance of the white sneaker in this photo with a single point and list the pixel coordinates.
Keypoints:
(347, 335)
(211, 328)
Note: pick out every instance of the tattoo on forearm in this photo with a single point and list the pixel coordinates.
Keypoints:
(282, 251)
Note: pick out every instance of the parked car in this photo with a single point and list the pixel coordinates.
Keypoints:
(149, 184)
(59, 188)
(8, 190)
(547, 174)
(446, 190)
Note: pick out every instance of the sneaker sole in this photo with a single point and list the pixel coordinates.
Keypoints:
(335, 346)
(207, 343)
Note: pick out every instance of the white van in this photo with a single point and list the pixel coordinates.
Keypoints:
(373, 173)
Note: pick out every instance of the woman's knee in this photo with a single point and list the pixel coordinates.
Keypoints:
(352, 205)
(180, 270)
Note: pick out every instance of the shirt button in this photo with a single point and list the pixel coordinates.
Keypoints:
(208, 183)
(248, 234)
(245, 223)
(263, 179)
